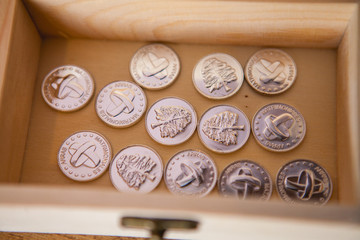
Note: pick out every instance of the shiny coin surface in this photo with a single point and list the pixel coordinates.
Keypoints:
(136, 169)
(304, 181)
(121, 104)
(67, 88)
(84, 156)
(245, 180)
(224, 129)
(190, 173)
(278, 127)
(270, 71)
(155, 66)
(171, 121)
(218, 76)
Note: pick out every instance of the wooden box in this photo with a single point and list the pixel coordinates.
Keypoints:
(101, 36)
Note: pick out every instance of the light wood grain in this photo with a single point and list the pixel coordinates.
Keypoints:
(225, 22)
(22, 46)
(47, 236)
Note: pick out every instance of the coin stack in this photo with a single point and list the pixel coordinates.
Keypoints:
(277, 127)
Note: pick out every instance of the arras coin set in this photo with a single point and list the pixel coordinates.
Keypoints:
(278, 127)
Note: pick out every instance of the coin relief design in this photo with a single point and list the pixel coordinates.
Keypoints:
(304, 181)
(278, 127)
(136, 169)
(155, 66)
(84, 156)
(224, 129)
(190, 173)
(245, 180)
(121, 104)
(67, 88)
(218, 76)
(270, 71)
(171, 121)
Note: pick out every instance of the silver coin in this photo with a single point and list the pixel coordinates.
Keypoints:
(304, 181)
(136, 169)
(171, 121)
(245, 180)
(155, 66)
(218, 76)
(121, 104)
(67, 88)
(224, 129)
(190, 173)
(278, 127)
(270, 71)
(84, 156)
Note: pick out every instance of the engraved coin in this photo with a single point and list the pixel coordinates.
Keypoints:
(218, 76)
(270, 71)
(190, 173)
(224, 129)
(278, 127)
(155, 66)
(67, 88)
(304, 181)
(121, 104)
(171, 121)
(84, 156)
(245, 180)
(136, 169)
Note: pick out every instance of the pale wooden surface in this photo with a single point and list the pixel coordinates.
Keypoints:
(19, 49)
(47, 236)
(229, 22)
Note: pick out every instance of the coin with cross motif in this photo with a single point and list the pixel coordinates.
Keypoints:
(155, 66)
(304, 181)
(245, 180)
(278, 127)
(171, 121)
(218, 76)
(84, 156)
(270, 71)
(136, 169)
(121, 104)
(224, 129)
(67, 88)
(190, 173)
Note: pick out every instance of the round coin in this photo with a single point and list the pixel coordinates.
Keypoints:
(278, 127)
(190, 173)
(155, 66)
(67, 88)
(270, 71)
(84, 156)
(245, 180)
(218, 76)
(121, 104)
(171, 121)
(136, 169)
(224, 129)
(304, 181)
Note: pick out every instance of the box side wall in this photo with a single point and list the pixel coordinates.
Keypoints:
(17, 86)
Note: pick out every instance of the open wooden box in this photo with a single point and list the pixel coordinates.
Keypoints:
(101, 36)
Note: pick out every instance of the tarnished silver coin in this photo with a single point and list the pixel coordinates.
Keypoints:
(190, 173)
(136, 169)
(218, 76)
(278, 127)
(304, 181)
(155, 66)
(270, 71)
(224, 129)
(121, 104)
(245, 180)
(84, 156)
(67, 88)
(171, 121)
